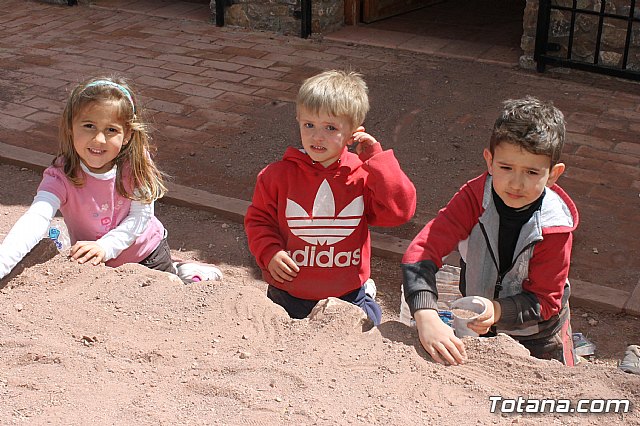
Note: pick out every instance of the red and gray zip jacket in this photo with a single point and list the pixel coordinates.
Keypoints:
(534, 289)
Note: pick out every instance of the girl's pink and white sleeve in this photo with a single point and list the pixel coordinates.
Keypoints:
(27, 231)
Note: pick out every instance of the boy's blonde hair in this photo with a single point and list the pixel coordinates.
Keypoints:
(534, 125)
(337, 93)
(147, 179)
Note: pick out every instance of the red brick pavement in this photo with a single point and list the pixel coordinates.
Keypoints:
(197, 80)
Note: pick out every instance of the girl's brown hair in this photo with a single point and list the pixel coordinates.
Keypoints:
(147, 180)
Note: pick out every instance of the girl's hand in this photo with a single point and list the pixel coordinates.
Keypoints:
(483, 323)
(87, 251)
(363, 139)
(438, 339)
(282, 268)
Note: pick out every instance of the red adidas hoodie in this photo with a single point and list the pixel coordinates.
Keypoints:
(321, 217)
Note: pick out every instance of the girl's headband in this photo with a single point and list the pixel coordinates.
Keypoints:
(120, 87)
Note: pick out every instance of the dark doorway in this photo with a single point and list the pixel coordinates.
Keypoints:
(497, 22)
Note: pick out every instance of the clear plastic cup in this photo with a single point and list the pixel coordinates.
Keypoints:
(475, 306)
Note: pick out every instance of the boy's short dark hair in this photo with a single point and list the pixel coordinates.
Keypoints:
(534, 125)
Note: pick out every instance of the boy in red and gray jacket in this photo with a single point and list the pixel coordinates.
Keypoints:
(513, 228)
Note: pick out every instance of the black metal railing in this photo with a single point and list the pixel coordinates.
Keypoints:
(305, 25)
(556, 37)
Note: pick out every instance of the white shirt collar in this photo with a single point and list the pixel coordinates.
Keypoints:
(102, 176)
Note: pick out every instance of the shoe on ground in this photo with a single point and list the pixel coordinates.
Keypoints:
(631, 361)
(190, 272)
(370, 288)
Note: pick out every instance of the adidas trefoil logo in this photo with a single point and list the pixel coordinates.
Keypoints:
(323, 226)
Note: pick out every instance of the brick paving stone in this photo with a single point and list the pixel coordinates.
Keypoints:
(615, 175)
(15, 110)
(233, 87)
(180, 59)
(251, 62)
(180, 133)
(247, 53)
(219, 118)
(613, 196)
(609, 123)
(150, 71)
(36, 80)
(192, 89)
(259, 72)
(187, 69)
(15, 123)
(203, 46)
(221, 65)
(156, 82)
(277, 94)
(321, 56)
(44, 117)
(160, 44)
(239, 98)
(179, 120)
(626, 170)
(286, 59)
(276, 49)
(591, 141)
(106, 66)
(224, 75)
(628, 114)
(170, 107)
(202, 102)
(246, 110)
(595, 154)
(580, 121)
(44, 104)
(268, 83)
(198, 80)
(628, 148)
(572, 160)
(235, 43)
(612, 135)
(583, 175)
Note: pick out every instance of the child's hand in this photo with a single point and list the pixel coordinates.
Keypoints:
(363, 139)
(282, 268)
(438, 339)
(87, 251)
(483, 323)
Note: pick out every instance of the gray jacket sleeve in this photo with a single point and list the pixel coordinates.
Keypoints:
(519, 309)
(419, 281)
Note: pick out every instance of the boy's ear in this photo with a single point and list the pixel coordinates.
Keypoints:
(489, 159)
(555, 173)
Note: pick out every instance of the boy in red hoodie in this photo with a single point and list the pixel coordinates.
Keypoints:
(308, 223)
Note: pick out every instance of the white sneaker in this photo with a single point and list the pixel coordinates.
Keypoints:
(370, 288)
(194, 272)
(631, 361)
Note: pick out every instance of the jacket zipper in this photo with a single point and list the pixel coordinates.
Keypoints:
(498, 286)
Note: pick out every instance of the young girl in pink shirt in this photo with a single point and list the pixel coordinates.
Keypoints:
(104, 182)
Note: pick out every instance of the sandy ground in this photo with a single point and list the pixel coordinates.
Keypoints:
(82, 344)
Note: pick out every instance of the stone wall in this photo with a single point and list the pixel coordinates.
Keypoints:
(282, 16)
(585, 33)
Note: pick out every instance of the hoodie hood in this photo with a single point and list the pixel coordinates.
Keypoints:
(298, 156)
